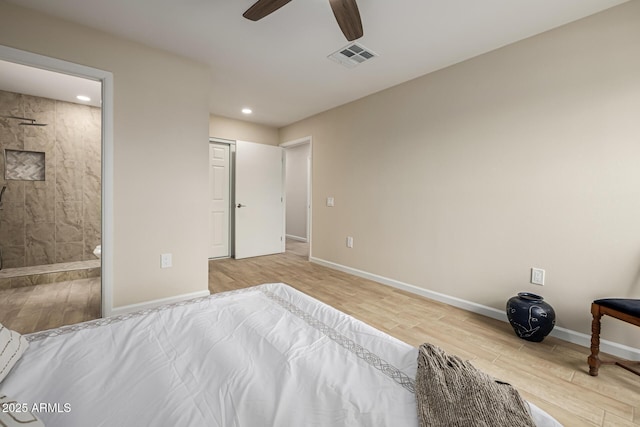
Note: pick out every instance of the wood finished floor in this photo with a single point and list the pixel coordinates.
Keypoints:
(552, 374)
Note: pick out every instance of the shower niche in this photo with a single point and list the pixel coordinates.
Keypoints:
(23, 165)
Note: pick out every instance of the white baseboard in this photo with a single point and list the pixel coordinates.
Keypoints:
(610, 347)
(299, 239)
(151, 304)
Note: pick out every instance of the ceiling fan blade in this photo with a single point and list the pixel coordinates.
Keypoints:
(262, 8)
(348, 17)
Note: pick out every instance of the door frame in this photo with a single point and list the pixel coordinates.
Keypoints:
(295, 143)
(106, 78)
(231, 226)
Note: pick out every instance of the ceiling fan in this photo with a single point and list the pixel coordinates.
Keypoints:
(345, 11)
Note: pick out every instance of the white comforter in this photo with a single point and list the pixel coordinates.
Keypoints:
(265, 356)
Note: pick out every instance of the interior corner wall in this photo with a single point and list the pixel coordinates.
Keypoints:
(160, 151)
(462, 180)
(240, 130)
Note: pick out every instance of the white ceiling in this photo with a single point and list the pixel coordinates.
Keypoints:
(278, 66)
(35, 81)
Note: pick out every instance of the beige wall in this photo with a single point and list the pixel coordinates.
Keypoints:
(58, 219)
(461, 180)
(239, 130)
(160, 151)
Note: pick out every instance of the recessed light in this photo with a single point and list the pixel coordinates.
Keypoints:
(247, 111)
(83, 98)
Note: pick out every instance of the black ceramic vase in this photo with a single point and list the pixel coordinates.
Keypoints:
(530, 316)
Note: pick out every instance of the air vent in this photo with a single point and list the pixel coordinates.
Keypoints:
(352, 55)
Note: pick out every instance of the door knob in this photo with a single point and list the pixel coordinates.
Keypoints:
(240, 205)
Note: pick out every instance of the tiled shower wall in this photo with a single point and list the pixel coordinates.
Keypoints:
(58, 219)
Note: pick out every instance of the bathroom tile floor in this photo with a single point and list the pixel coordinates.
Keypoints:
(36, 308)
(40, 307)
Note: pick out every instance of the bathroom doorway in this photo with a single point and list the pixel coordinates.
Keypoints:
(51, 149)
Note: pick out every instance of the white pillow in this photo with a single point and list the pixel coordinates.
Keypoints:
(14, 414)
(12, 345)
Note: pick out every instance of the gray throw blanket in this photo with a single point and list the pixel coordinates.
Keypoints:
(451, 392)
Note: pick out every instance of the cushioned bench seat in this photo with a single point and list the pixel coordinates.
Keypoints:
(627, 306)
(625, 309)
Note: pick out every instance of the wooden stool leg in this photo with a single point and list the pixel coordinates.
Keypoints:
(594, 360)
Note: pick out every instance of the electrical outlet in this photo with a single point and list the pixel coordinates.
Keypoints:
(165, 261)
(537, 276)
(350, 242)
(330, 202)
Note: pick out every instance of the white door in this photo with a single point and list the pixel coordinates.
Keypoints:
(259, 200)
(219, 161)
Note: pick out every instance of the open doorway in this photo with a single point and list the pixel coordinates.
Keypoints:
(51, 172)
(298, 196)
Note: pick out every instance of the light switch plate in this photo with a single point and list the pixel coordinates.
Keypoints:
(166, 261)
(330, 202)
(350, 242)
(537, 276)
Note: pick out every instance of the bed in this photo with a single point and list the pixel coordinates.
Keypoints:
(262, 356)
